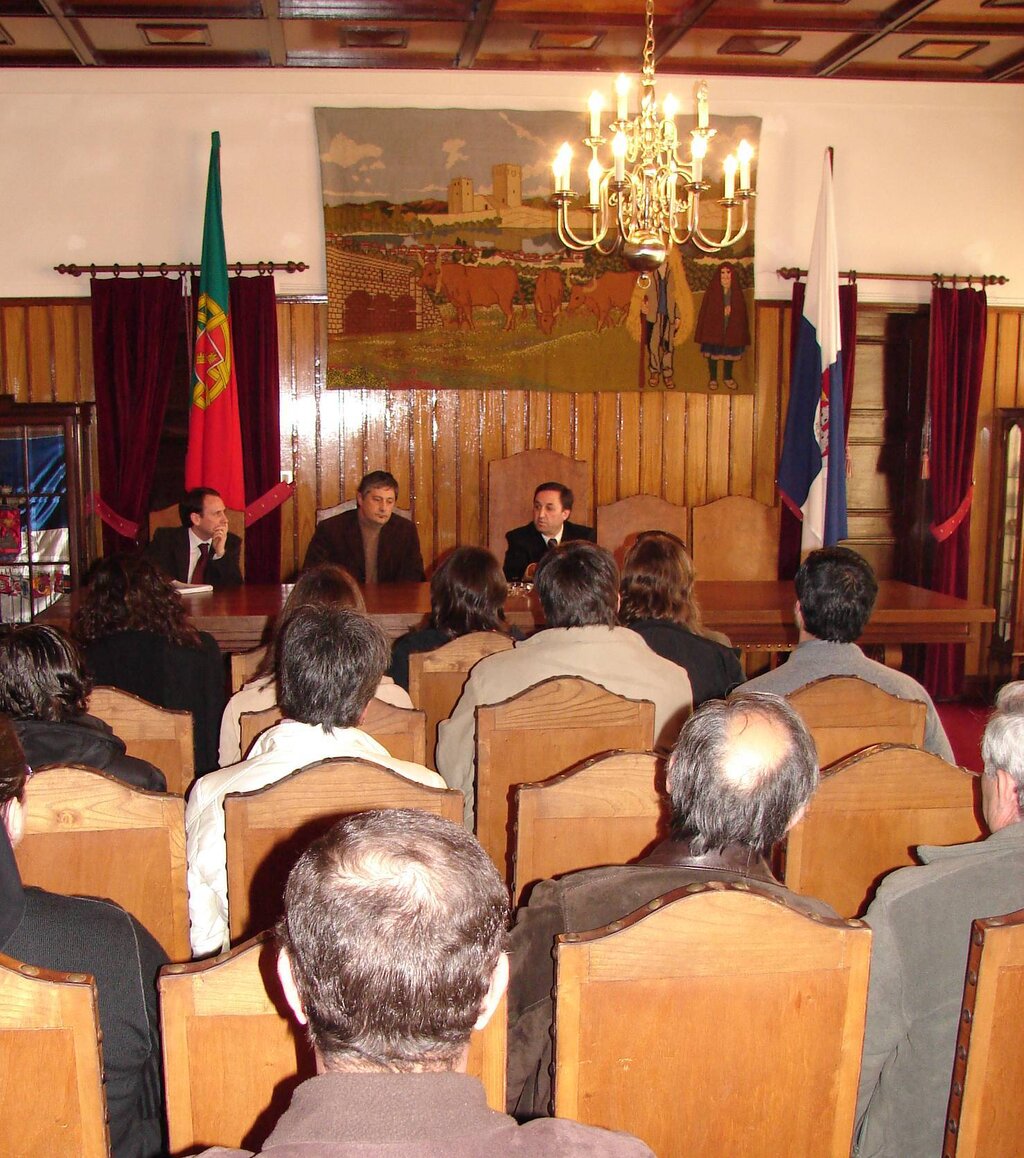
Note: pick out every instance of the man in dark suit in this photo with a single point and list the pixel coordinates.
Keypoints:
(371, 543)
(552, 506)
(201, 550)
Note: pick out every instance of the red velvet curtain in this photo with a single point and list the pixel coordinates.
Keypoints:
(789, 529)
(955, 359)
(254, 330)
(135, 327)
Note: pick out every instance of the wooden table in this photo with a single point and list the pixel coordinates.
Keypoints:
(754, 615)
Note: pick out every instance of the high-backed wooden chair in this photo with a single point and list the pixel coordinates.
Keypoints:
(510, 485)
(773, 1005)
(215, 1012)
(160, 735)
(51, 1095)
(983, 1119)
(90, 834)
(618, 524)
(268, 828)
(402, 731)
(870, 811)
(171, 517)
(244, 665)
(436, 678)
(735, 538)
(540, 731)
(605, 810)
(845, 714)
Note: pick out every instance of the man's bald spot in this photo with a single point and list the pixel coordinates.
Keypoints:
(755, 746)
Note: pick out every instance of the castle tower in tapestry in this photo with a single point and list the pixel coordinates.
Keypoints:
(507, 182)
(460, 195)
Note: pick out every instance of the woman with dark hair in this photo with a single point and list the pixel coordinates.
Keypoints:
(44, 689)
(658, 604)
(135, 635)
(326, 583)
(467, 593)
(81, 935)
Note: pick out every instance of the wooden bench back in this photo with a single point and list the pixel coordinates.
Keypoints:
(162, 736)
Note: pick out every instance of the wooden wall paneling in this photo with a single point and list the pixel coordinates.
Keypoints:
(629, 444)
(741, 460)
(423, 483)
(16, 377)
(289, 433)
(584, 446)
(84, 368)
(772, 366)
(720, 450)
(472, 515)
(398, 434)
(306, 370)
(560, 406)
(41, 370)
(447, 481)
(371, 421)
(492, 435)
(516, 418)
(652, 465)
(695, 452)
(606, 451)
(674, 449)
(66, 381)
(538, 420)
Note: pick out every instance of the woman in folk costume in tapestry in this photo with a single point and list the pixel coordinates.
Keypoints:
(722, 328)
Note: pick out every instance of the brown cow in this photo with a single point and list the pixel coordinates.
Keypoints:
(611, 291)
(468, 286)
(547, 298)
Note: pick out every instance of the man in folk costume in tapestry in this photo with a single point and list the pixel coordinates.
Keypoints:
(722, 328)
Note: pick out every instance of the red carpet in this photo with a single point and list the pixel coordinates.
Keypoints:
(964, 722)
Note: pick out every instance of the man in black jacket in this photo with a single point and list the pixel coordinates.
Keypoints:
(202, 549)
(552, 506)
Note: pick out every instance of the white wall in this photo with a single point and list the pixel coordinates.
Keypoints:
(103, 165)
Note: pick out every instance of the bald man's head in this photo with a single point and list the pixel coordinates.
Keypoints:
(741, 773)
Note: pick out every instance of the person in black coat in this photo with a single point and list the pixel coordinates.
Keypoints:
(552, 506)
(657, 602)
(82, 935)
(136, 636)
(44, 689)
(201, 550)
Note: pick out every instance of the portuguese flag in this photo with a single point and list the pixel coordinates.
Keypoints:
(214, 456)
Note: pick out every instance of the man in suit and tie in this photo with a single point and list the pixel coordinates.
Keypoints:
(201, 550)
(552, 506)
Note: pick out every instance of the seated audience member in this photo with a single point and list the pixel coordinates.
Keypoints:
(738, 779)
(836, 591)
(578, 586)
(202, 549)
(659, 605)
(391, 1044)
(330, 661)
(921, 922)
(81, 935)
(371, 542)
(552, 506)
(135, 635)
(467, 594)
(325, 584)
(45, 691)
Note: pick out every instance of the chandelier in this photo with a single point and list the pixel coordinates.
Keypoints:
(648, 198)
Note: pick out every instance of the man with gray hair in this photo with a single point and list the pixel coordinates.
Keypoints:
(739, 778)
(392, 952)
(921, 917)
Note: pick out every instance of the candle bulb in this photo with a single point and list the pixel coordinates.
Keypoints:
(594, 172)
(745, 152)
(730, 165)
(702, 105)
(621, 92)
(619, 146)
(596, 105)
(563, 163)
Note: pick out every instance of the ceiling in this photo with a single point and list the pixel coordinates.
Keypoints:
(933, 40)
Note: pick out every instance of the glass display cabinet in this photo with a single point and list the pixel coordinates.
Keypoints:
(44, 489)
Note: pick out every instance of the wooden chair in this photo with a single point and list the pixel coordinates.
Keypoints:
(267, 829)
(542, 730)
(512, 481)
(983, 1118)
(845, 714)
(870, 811)
(90, 834)
(51, 1097)
(402, 731)
(721, 988)
(160, 735)
(212, 1013)
(436, 678)
(171, 517)
(735, 538)
(606, 810)
(244, 665)
(618, 524)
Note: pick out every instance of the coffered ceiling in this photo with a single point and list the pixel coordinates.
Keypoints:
(943, 40)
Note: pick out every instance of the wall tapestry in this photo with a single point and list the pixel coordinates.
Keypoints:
(444, 270)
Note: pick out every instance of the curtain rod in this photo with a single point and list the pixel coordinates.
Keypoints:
(238, 267)
(852, 275)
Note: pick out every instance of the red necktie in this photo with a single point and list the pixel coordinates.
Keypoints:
(200, 569)
(552, 544)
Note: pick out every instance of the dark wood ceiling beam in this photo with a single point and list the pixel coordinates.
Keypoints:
(667, 37)
(963, 28)
(82, 48)
(275, 34)
(1012, 68)
(475, 32)
(892, 20)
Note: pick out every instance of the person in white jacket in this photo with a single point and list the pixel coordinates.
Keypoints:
(330, 661)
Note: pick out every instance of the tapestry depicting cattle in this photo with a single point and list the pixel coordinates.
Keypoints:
(445, 271)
